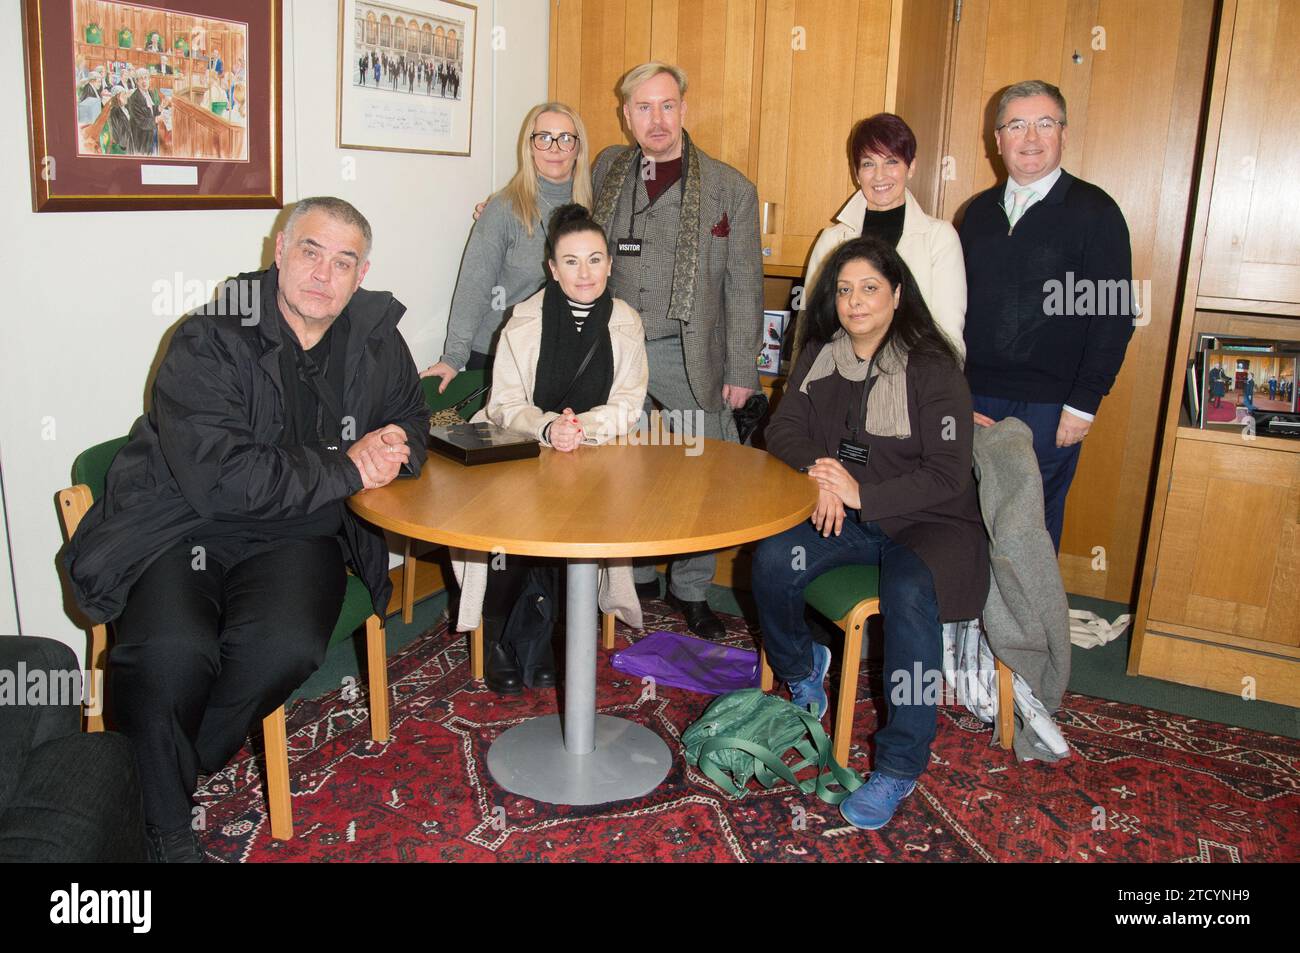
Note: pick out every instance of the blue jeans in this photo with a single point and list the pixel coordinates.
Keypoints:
(913, 633)
(1055, 464)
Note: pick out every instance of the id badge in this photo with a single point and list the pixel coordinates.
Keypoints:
(629, 247)
(853, 452)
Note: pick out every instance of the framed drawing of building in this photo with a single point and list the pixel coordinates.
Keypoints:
(406, 75)
(173, 104)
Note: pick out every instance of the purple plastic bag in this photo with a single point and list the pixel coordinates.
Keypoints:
(681, 661)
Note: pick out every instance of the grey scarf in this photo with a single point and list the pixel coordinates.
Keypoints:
(686, 265)
(887, 406)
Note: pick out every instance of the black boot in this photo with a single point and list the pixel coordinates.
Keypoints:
(500, 667)
(537, 659)
(178, 846)
(699, 618)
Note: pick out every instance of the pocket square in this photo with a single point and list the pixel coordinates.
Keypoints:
(723, 228)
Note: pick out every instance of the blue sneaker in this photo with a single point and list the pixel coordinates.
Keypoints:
(811, 691)
(871, 806)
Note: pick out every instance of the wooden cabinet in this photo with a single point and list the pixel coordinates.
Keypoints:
(1230, 547)
(1219, 603)
(1252, 246)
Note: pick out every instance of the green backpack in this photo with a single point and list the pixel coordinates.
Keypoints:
(744, 734)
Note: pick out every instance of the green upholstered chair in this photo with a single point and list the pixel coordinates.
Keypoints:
(89, 471)
(849, 595)
(461, 386)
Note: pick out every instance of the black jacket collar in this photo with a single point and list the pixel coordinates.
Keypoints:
(368, 312)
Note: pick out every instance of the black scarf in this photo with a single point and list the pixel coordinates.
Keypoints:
(558, 384)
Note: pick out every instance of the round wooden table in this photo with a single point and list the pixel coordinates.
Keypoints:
(594, 503)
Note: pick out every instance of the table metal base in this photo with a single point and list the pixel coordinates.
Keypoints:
(586, 758)
(627, 761)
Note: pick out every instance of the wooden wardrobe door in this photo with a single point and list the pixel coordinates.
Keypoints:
(825, 65)
(1251, 249)
(1133, 111)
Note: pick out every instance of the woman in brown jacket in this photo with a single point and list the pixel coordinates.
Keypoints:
(879, 414)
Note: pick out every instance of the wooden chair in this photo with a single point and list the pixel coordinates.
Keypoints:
(850, 595)
(89, 470)
(462, 385)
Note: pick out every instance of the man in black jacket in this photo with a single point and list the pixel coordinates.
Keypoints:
(1049, 291)
(144, 116)
(220, 541)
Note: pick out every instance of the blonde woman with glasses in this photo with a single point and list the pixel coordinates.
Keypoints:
(504, 261)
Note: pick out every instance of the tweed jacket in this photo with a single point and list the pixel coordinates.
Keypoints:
(722, 339)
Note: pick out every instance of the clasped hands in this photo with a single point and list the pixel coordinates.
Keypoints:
(379, 456)
(838, 491)
(565, 433)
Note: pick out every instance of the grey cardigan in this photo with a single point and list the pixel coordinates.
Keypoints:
(502, 266)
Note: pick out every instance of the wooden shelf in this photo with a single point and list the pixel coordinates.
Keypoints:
(1234, 437)
(1282, 309)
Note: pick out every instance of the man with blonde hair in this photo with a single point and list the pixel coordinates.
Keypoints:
(683, 228)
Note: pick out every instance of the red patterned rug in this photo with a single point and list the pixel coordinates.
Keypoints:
(1141, 785)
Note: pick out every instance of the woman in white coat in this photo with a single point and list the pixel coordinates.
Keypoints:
(882, 158)
(570, 371)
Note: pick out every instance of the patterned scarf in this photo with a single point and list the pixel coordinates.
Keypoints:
(622, 174)
(887, 406)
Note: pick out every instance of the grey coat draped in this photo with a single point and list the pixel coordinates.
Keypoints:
(1026, 615)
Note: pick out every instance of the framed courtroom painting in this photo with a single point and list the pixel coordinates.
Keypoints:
(406, 75)
(173, 104)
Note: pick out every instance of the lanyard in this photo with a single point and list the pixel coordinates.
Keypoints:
(631, 228)
(317, 377)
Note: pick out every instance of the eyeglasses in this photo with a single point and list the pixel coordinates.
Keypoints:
(543, 141)
(1018, 127)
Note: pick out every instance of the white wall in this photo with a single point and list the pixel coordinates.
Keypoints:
(8, 607)
(79, 334)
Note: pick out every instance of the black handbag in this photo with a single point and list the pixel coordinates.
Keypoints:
(750, 416)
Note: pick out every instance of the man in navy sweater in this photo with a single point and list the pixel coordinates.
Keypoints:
(1049, 291)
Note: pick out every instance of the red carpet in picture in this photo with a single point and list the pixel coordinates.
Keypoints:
(1141, 785)
(1226, 412)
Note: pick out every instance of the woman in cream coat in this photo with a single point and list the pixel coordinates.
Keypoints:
(570, 370)
(882, 157)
